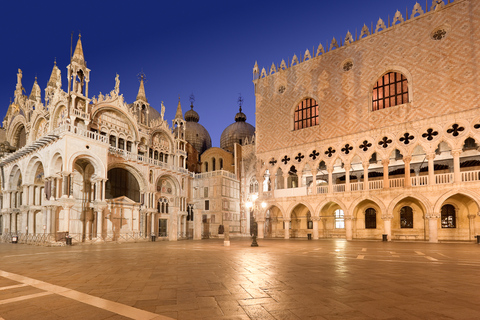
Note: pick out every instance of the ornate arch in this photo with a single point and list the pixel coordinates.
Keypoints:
(322, 204)
(294, 205)
(106, 108)
(466, 192)
(97, 163)
(417, 196)
(371, 198)
(31, 168)
(134, 171)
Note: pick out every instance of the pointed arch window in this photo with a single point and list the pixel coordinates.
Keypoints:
(389, 91)
(448, 216)
(306, 114)
(370, 219)
(339, 219)
(406, 218)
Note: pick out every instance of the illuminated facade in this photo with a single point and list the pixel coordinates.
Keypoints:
(99, 169)
(376, 134)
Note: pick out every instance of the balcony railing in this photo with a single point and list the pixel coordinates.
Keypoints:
(356, 186)
(127, 155)
(339, 188)
(468, 176)
(444, 178)
(290, 192)
(375, 185)
(419, 181)
(322, 189)
(397, 183)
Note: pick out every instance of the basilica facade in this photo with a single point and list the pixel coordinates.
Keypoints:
(376, 135)
(99, 169)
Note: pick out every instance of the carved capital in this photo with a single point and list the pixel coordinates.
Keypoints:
(349, 218)
(430, 156)
(387, 217)
(407, 159)
(385, 162)
(432, 215)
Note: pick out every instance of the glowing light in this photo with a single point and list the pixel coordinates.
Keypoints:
(264, 205)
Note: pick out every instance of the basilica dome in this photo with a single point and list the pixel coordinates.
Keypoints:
(195, 133)
(237, 132)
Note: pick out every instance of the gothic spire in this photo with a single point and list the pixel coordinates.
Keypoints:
(78, 54)
(141, 91)
(179, 114)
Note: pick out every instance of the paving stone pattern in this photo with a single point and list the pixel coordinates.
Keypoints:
(280, 279)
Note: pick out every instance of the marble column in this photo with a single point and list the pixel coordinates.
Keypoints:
(197, 225)
(433, 226)
(314, 181)
(315, 227)
(471, 224)
(347, 177)
(431, 169)
(349, 227)
(387, 225)
(330, 179)
(365, 164)
(408, 179)
(386, 182)
(260, 229)
(287, 229)
(457, 176)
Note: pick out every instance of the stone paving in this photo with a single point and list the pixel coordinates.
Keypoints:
(280, 279)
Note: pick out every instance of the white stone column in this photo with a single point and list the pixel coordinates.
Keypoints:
(387, 225)
(197, 225)
(431, 169)
(457, 177)
(31, 196)
(152, 224)
(330, 179)
(365, 164)
(99, 223)
(386, 182)
(314, 181)
(408, 179)
(287, 229)
(432, 226)
(347, 177)
(471, 224)
(349, 227)
(315, 227)
(260, 229)
(49, 219)
(172, 234)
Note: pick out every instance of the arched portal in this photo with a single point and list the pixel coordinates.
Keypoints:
(122, 183)
(274, 223)
(299, 221)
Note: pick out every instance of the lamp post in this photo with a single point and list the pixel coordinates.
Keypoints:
(253, 206)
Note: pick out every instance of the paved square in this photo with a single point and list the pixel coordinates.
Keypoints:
(281, 279)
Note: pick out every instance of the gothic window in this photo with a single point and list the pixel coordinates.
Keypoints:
(213, 164)
(113, 141)
(406, 218)
(306, 114)
(129, 146)
(221, 164)
(448, 216)
(339, 219)
(390, 90)
(161, 156)
(162, 205)
(370, 219)
(121, 143)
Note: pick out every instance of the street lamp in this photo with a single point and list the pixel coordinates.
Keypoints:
(253, 206)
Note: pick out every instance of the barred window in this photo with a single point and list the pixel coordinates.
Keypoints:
(448, 216)
(306, 114)
(406, 218)
(339, 219)
(370, 219)
(390, 90)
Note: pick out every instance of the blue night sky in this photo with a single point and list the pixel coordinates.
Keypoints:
(207, 48)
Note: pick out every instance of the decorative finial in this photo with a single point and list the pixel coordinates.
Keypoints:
(55, 61)
(192, 100)
(142, 77)
(240, 101)
(79, 34)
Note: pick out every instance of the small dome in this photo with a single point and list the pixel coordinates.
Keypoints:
(195, 133)
(192, 115)
(197, 136)
(237, 132)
